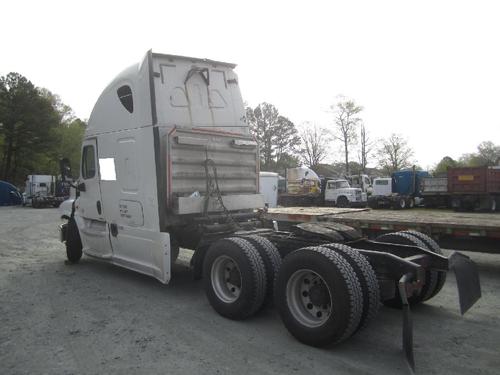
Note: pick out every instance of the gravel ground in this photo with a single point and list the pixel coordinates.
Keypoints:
(97, 318)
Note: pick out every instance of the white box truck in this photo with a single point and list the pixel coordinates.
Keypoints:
(168, 160)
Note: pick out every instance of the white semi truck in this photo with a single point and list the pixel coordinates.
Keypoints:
(168, 161)
(340, 194)
(44, 191)
(306, 188)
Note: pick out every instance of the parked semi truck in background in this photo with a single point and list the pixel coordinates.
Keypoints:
(401, 190)
(464, 188)
(168, 161)
(45, 191)
(361, 181)
(306, 188)
(474, 188)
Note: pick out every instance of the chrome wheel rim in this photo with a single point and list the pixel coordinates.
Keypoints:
(309, 298)
(226, 279)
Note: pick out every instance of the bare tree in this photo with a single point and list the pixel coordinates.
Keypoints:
(346, 123)
(394, 153)
(314, 144)
(366, 148)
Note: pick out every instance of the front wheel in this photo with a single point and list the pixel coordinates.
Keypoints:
(342, 202)
(73, 242)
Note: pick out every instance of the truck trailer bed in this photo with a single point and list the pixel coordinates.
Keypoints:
(475, 231)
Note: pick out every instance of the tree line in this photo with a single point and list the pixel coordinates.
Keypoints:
(36, 130)
(285, 145)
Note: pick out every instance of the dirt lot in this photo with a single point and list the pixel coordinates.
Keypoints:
(97, 318)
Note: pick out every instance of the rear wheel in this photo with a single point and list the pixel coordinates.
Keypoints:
(400, 204)
(431, 277)
(410, 203)
(318, 296)
(234, 278)
(493, 205)
(434, 247)
(456, 204)
(367, 278)
(272, 263)
(73, 242)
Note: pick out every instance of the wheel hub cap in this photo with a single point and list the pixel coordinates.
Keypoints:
(226, 279)
(309, 298)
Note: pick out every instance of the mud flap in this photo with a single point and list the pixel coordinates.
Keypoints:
(469, 291)
(161, 257)
(468, 284)
(407, 322)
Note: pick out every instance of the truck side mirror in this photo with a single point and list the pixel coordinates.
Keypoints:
(65, 168)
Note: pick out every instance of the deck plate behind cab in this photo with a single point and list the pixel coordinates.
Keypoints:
(307, 214)
(329, 231)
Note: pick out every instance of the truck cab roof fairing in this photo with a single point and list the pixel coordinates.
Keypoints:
(171, 90)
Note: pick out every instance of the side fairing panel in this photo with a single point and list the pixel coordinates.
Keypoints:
(112, 110)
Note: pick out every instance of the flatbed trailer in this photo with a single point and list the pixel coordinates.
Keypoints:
(458, 230)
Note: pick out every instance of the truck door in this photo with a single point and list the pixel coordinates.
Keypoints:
(130, 206)
(330, 192)
(93, 227)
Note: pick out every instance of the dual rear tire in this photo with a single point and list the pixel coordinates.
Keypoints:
(323, 294)
(434, 280)
(239, 275)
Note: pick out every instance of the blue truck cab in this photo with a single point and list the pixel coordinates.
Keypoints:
(408, 183)
(405, 187)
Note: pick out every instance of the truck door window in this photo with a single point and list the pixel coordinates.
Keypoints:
(88, 162)
(125, 96)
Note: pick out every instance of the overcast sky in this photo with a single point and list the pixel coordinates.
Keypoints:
(429, 70)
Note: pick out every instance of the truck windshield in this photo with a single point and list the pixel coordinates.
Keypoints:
(342, 184)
